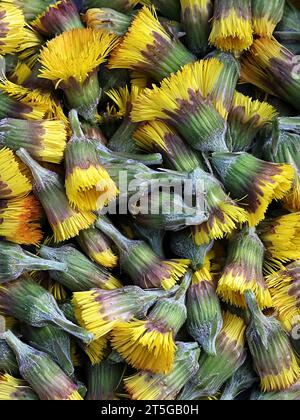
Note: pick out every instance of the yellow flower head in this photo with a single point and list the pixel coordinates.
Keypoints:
(75, 54)
(232, 27)
(145, 346)
(58, 17)
(124, 99)
(187, 100)
(12, 30)
(13, 183)
(42, 104)
(281, 237)
(266, 15)
(30, 48)
(97, 350)
(15, 389)
(224, 214)
(19, 220)
(259, 113)
(253, 181)
(148, 47)
(244, 271)
(284, 289)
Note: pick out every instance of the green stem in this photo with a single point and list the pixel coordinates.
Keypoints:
(73, 329)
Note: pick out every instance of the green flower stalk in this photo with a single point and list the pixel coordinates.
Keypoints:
(204, 321)
(254, 182)
(244, 271)
(290, 394)
(274, 69)
(271, 350)
(44, 376)
(282, 145)
(15, 261)
(154, 237)
(13, 389)
(65, 221)
(109, 20)
(107, 156)
(27, 301)
(214, 371)
(59, 17)
(98, 311)
(196, 16)
(146, 386)
(97, 247)
(149, 344)
(183, 245)
(53, 341)
(246, 118)
(104, 380)
(81, 273)
(44, 140)
(8, 362)
(242, 380)
(146, 35)
(177, 216)
(145, 268)
(266, 15)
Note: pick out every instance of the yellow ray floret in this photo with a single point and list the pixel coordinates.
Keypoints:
(292, 200)
(199, 78)
(232, 33)
(258, 112)
(281, 237)
(284, 379)
(88, 314)
(72, 225)
(152, 136)
(12, 182)
(224, 219)
(12, 32)
(12, 388)
(20, 73)
(234, 328)
(106, 258)
(271, 187)
(75, 54)
(234, 284)
(19, 220)
(140, 37)
(284, 291)
(41, 102)
(123, 98)
(96, 351)
(90, 189)
(144, 347)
